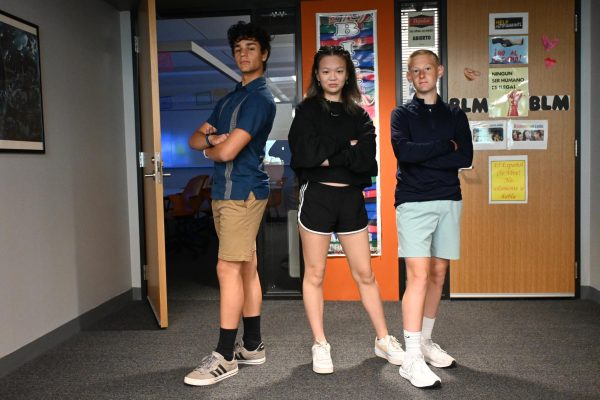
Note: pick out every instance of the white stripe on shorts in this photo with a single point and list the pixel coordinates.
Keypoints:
(302, 190)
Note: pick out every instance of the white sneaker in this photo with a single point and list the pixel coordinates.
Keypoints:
(434, 355)
(321, 355)
(389, 348)
(419, 374)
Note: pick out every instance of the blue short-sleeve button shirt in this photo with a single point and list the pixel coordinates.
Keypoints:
(251, 108)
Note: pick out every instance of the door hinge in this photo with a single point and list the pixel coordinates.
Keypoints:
(576, 271)
(576, 148)
(141, 160)
(144, 269)
(136, 44)
(576, 23)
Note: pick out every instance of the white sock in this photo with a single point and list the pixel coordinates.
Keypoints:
(427, 328)
(412, 341)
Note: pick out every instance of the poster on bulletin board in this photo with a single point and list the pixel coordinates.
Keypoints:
(509, 23)
(488, 135)
(528, 134)
(508, 179)
(508, 92)
(508, 50)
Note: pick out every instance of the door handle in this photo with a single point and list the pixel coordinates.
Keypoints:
(152, 175)
(157, 170)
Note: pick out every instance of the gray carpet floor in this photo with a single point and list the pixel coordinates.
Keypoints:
(505, 349)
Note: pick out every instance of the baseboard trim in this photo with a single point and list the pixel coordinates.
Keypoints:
(509, 295)
(52, 339)
(590, 293)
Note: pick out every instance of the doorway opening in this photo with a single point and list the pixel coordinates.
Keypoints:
(196, 69)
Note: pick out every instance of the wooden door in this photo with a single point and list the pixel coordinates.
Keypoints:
(518, 250)
(155, 269)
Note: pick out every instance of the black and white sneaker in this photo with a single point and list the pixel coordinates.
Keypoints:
(212, 369)
(251, 357)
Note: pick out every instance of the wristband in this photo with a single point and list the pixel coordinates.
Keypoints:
(207, 142)
(204, 153)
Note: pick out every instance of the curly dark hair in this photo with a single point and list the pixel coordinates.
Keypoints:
(246, 31)
(351, 96)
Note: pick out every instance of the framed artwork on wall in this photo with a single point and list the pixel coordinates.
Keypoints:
(21, 116)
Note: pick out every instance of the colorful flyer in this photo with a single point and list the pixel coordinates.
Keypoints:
(508, 179)
(508, 92)
(508, 50)
(421, 29)
(488, 135)
(528, 134)
(355, 32)
(509, 24)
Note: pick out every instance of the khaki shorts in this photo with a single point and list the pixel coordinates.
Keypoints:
(237, 223)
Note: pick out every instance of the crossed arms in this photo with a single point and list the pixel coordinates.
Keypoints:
(438, 154)
(226, 146)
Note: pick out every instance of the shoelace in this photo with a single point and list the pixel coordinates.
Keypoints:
(395, 344)
(207, 363)
(437, 347)
(417, 364)
(322, 352)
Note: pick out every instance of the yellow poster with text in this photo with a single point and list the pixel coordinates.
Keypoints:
(508, 179)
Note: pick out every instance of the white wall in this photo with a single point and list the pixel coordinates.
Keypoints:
(64, 230)
(130, 150)
(590, 144)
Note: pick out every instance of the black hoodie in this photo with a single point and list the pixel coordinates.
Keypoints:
(323, 130)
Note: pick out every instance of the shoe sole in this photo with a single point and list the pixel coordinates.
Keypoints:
(257, 361)
(206, 382)
(380, 353)
(434, 385)
(442, 366)
(323, 371)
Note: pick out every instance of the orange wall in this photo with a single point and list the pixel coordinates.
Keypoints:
(339, 284)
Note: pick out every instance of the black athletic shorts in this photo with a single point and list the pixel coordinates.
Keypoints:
(326, 209)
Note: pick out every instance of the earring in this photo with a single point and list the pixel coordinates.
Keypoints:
(346, 81)
(318, 82)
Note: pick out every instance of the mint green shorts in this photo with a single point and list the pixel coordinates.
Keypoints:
(429, 229)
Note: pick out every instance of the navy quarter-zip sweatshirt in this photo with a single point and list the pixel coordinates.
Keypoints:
(427, 162)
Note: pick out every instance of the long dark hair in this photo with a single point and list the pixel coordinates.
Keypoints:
(351, 96)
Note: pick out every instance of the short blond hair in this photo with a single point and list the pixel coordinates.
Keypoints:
(423, 52)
